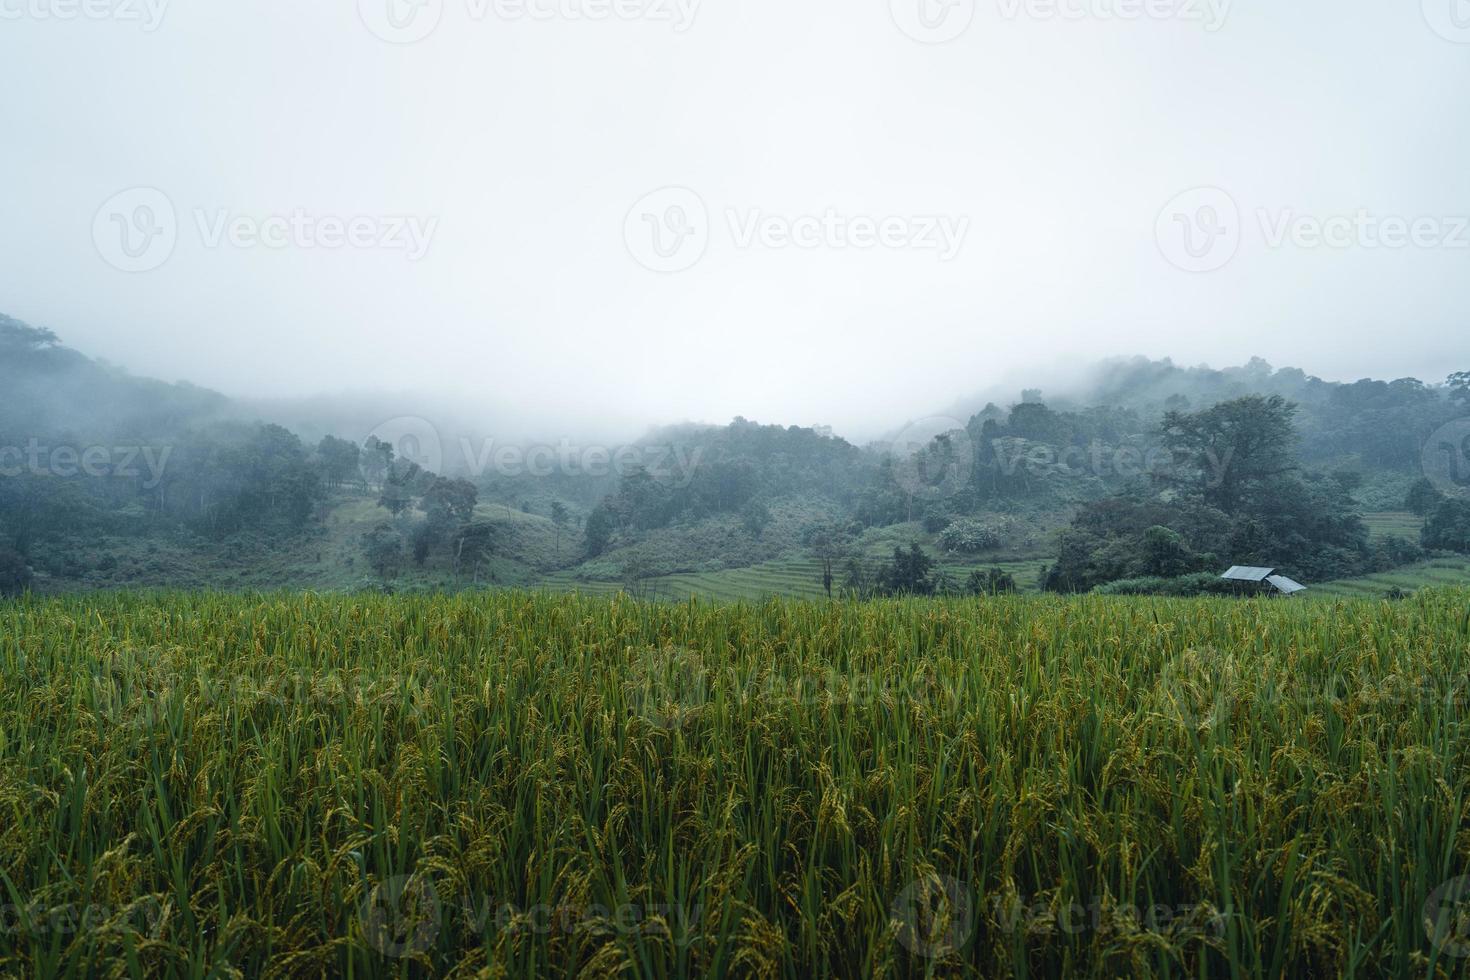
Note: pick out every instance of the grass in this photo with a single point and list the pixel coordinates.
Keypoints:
(1437, 572)
(529, 785)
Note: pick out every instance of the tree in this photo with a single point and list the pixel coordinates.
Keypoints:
(1165, 553)
(860, 580)
(402, 483)
(755, 518)
(909, 573)
(559, 516)
(993, 582)
(968, 536)
(423, 543)
(1232, 452)
(1459, 385)
(829, 544)
(17, 337)
(341, 461)
(599, 530)
(1449, 527)
(383, 548)
(377, 458)
(449, 501)
(636, 572)
(473, 546)
(15, 574)
(1424, 498)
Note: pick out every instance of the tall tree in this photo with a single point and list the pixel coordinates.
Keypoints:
(829, 544)
(1227, 454)
(1459, 385)
(559, 517)
(1423, 498)
(341, 461)
(15, 575)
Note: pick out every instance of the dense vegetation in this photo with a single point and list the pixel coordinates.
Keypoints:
(1153, 474)
(207, 785)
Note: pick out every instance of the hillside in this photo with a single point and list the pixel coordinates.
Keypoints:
(125, 481)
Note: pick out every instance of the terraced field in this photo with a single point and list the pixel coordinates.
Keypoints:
(1397, 524)
(1440, 571)
(799, 578)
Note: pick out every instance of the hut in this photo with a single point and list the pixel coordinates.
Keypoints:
(1251, 579)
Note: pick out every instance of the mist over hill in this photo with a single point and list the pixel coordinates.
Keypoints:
(109, 478)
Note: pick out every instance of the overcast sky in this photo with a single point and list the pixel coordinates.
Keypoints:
(637, 211)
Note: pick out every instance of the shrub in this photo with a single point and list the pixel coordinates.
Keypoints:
(968, 536)
(993, 582)
(15, 574)
(1395, 552)
(1203, 583)
(1449, 527)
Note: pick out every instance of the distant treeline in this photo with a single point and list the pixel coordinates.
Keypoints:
(1170, 471)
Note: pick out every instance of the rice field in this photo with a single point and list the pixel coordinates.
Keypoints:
(795, 578)
(1398, 524)
(519, 785)
(1438, 572)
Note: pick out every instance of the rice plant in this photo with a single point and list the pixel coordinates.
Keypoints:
(528, 785)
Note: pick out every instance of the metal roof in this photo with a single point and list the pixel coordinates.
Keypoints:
(1285, 585)
(1245, 573)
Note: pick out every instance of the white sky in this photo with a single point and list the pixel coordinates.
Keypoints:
(1059, 138)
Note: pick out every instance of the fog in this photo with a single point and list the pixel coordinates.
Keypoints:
(601, 216)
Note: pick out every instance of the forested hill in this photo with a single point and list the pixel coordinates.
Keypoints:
(52, 390)
(109, 479)
(1383, 423)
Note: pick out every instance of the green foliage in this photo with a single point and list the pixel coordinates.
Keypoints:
(1459, 386)
(910, 572)
(15, 574)
(341, 461)
(1182, 586)
(969, 537)
(521, 785)
(383, 547)
(1236, 500)
(1449, 526)
(755, 517)
(1424, 498)
(228, 498)
(18, 339)
(403, 482)
(448, 502)
(1232, 456)
(992, 581)
(1391, 552)
(599, 531)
